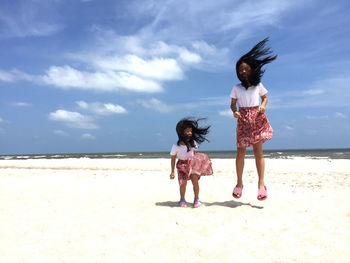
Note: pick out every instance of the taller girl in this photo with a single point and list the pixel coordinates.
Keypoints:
(253, 128)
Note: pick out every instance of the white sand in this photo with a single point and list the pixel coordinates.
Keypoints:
(125, 210)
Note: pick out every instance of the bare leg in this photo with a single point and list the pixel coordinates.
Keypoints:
(194, 179)
(183, 190)
(240, 165)
(260, 163)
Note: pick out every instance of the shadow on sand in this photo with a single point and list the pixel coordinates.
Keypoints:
(230, 204)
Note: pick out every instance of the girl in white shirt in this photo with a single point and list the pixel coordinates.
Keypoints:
(253, 127)
(190, 164)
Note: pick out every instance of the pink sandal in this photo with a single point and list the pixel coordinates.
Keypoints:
(237, 192)
(182, 203)
(197, 203)
(262, 194)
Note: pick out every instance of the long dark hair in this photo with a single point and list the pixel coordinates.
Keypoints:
(254, 58)
(198, 133)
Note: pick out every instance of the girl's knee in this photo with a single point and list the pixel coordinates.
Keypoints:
(194, 178)
(257, 149)
(258, 154)
(183, 184)
(241, 152)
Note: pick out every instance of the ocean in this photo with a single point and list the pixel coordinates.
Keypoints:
(274, 154)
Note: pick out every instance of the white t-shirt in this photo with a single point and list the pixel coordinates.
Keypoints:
(248, 97)
(181, 151)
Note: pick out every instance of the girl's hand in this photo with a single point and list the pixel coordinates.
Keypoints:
(236, 114)
(172, 176)
(261, 109)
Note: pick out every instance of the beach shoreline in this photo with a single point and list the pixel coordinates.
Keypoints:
(125, 210)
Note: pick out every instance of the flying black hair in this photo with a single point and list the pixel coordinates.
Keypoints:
(198, 133)
(254, 58)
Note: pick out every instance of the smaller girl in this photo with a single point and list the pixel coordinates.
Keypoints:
(190, 164)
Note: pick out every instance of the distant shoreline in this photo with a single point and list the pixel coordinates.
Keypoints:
(332, 153)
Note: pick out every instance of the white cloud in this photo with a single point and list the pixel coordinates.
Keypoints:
(155, 104)
(60, 133)
(150, 57)
(197, 54)
(203, 47)
(21, 104)
(145, 47)
(15, 75)
(141, 66)
(147, 59)
(226, 113)
(189, 57)
(68, 78)
(102, 108)
(289, 128)
(6, 76)
(321, 117)
(340, 115)
(82, 104)
(313, 92)
(155, 68)
(158, 105)
(1, 120)
(88, 136)
(73, 119)
(181, 53)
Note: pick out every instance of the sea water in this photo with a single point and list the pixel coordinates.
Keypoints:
(274, 154)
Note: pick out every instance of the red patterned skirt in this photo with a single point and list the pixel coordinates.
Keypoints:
(199, 165)
(252, 127)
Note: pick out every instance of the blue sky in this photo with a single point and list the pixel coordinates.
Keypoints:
(112, 76)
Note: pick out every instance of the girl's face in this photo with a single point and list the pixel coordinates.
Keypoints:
(188, 133)
(244, 71)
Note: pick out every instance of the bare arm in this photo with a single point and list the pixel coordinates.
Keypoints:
(263, 104)
(236, 113)
(172, 163)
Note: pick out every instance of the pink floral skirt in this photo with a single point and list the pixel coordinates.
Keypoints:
(199, 165)
(252, 127)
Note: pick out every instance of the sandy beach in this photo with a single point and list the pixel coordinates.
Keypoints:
(125, 210)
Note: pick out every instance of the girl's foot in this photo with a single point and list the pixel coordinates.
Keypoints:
(197, 203)
(262, 194)
(237, 192)
(182, 203)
